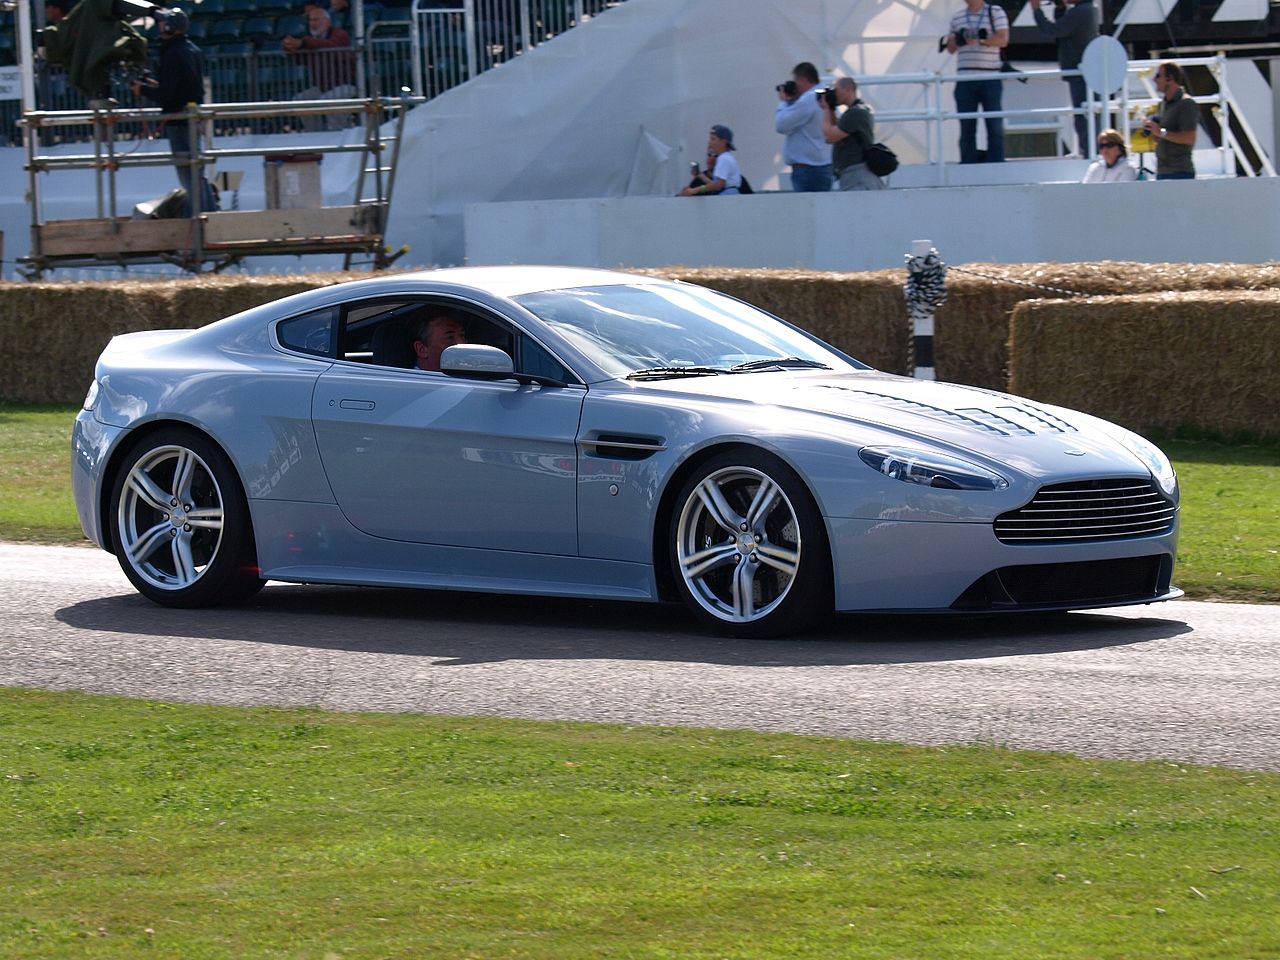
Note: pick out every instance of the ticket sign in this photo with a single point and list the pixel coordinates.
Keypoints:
(10, 83)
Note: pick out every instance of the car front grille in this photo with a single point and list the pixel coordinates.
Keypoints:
(1089, 511)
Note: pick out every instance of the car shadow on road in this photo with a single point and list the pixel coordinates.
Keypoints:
(467, 628)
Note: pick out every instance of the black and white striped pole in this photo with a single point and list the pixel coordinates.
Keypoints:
(926, 290)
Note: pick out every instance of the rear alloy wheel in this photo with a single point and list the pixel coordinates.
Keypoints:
(747, 547)
(181, 525)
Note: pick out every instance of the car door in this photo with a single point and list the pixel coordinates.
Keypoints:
(425, 457)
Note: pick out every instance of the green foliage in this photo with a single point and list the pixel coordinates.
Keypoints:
(35, 485)
(143, 829)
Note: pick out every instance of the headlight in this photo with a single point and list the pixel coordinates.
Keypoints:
(931, 469)
(1155, 461)
(91, 398)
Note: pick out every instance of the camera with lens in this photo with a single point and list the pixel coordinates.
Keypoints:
(963, 36)
(789, 88)
(827, 95)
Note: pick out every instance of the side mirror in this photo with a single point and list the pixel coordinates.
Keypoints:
(476, 361)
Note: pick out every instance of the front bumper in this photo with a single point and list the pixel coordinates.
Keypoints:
(903, 565)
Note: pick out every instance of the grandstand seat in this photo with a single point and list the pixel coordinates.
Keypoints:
(394, 15)
(260, 30)
(207, 10)
(277, 7)
(240, 8)
(292, 25)
(197, 30)
(242, 49)
(226, 31)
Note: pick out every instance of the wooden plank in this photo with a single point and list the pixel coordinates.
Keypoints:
(238, 226)
(60, 238)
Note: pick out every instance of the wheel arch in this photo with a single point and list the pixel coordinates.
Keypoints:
(127, 444)
(663, 574)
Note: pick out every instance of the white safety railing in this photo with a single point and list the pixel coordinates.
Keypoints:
(1128, 110)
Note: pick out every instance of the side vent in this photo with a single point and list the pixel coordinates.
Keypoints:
(621, 446)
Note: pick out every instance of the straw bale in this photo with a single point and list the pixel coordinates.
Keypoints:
(1176, 360)
(972, 327)
(51, 334)
(862, 314)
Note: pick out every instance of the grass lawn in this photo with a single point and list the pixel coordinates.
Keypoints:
(1229, 548)
(134, 829)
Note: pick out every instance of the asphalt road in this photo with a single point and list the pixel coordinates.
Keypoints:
(1182, 681)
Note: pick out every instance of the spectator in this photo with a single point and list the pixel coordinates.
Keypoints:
(850, 136)
(978, 33)
(433, 336)
(326, 52)
(1173, 125)
(55, 11)
(178, 82)
(725, 178)
(799, 119)
(1112, 165)
(1073, 30)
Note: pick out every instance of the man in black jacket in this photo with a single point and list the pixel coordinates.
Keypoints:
(1073, 30)
(179, 81)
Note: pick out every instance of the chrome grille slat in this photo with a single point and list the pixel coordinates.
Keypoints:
(1085, 514)
(1089, 510)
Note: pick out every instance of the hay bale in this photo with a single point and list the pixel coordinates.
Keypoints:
(51, 333)
(972, 329)
(862, 314)
(1201, 360)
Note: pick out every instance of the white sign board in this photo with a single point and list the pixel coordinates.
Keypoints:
(10, 83)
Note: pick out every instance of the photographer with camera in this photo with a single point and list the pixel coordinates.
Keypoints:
(799, 119)
(978, 33)
(178, 82)
(724, 178)
(1173, 125)
(1074, 28)
(849, 136)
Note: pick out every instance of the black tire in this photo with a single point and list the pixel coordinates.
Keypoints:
(747, 547)
(180, 523)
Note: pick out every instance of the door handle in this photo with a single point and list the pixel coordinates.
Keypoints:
(356, 404)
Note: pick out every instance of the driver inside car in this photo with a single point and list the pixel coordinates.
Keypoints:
(433, 335)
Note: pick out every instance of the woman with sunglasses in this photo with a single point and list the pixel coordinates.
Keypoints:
(1112, 165)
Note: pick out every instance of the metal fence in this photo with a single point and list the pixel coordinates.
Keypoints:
(427, 48)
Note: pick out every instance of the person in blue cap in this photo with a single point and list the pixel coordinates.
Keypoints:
(725, 178)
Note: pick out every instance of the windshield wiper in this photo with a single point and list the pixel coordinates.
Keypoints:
(663, 373)
(778, 363)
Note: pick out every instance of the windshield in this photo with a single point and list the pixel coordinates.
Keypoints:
(625, 329)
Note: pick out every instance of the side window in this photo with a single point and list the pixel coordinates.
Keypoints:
(311, 333)
(537, 361)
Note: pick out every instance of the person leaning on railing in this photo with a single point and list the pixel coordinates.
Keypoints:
(326, 52)
(1112, 165)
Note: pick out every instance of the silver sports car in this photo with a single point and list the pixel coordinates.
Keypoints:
(585, 433)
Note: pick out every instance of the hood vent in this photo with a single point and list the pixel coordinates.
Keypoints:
(1007, 420)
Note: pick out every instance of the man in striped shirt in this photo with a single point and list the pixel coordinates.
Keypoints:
(978, 32)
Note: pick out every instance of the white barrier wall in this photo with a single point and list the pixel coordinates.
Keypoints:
(1155, 222)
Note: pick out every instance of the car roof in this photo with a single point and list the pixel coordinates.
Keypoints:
(514, 281)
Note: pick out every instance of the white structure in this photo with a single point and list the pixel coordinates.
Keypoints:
(619, 107)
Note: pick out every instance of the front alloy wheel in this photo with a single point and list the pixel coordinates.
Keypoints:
(748, 549)
(181, 526)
